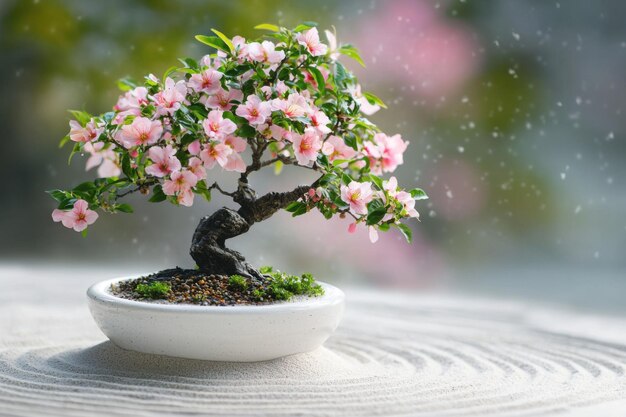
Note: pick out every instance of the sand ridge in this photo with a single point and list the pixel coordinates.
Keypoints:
(394, 355)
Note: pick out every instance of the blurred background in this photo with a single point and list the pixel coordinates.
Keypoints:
(514, 111)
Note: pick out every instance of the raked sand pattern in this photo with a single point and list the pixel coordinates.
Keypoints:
(393, 356)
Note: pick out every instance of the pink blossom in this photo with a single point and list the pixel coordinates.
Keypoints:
(222, 99)
(164, 161)
(385, 153)
(205, 61)
(142, 131)
(180, 184)
(320, 121)
(352, 228)
(241, 48)
(185, 198)
(215, 152)
(85, 134)
(309, 78)
(295, 105)
(194, 147)
(307, 146)
(365, 106)
(391, 186)
(106, 160)
(169, 100)
(357, 195)
(255, 111)
(235, 161)
(392, 148)
(311, 40)
(373, 234)
(78, 218)
(332, 45)
(408, 203)
(336, 148)
(207, 81)
(215, 126)
(196, 167)
(236, 143)
(280, 133)
(265, 52)
(132, 101)
(280, 88)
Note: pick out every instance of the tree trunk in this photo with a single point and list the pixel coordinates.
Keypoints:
(208, 243)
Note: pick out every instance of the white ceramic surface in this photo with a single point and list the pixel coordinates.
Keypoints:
(229, 333)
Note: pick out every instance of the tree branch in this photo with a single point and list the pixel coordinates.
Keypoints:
(216, 186)
(139, 187)
(264, 207)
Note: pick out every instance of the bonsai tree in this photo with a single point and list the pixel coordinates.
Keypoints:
(280, 100)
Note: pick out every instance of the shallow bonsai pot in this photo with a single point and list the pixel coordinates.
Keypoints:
(216, 333)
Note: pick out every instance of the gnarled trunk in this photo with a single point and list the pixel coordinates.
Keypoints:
(208, 243)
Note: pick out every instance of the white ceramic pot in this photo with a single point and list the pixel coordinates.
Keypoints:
(217, 333)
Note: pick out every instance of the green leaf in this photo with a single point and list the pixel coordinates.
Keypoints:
(214, 42)
(304, 26)
(157, 194)
(406, 231)
(189, 63)
(296, 208)
(278, 167)
(64, 140)
(341, 74)
(376, 180)
(376, 215)
(169, 71)
(351, 141)
(81, 116)
(418, 194)
(87, 187)
(384, 227)
(372, 99)
(84, 233)
(225, 38)
(75, 150)
(319, 79)
(124, 208)
(338, 162)
(267, 26)
(126, 84)
(247, 88)
(322, 160)
(126, 168)
(246, 131)
(203, 190)
(293, 206)
(352, 52)
(58, 195)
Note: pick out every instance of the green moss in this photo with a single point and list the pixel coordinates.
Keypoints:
(198, 298)
(259, 295)
(237, 283)
(266, 269)
(284, 286)
(154, 290)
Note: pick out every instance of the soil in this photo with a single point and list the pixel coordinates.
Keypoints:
(191, 286)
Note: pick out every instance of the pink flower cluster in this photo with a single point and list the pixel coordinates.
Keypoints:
(359, 194)
(385, 152)
(167, 133)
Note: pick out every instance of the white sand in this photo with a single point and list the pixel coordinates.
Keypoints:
(393, 355)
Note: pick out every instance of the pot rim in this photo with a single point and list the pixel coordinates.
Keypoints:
(99, 293)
